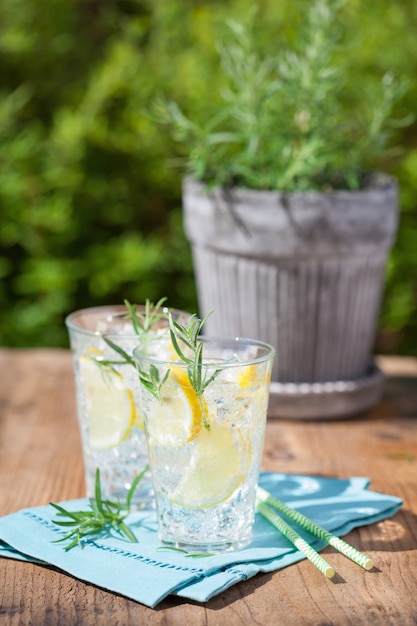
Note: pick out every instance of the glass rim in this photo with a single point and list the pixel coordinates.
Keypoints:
(270, 352)
(114, 311)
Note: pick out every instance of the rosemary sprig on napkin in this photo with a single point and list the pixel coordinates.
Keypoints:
(103, 515)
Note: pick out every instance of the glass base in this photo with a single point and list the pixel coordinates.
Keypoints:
(207, 548)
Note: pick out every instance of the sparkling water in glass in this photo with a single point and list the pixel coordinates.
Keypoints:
(108, 402)
(205, 450)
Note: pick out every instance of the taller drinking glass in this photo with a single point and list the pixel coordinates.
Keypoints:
(205, 425)
(107, 390)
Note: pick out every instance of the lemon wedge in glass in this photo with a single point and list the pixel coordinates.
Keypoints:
(220, 459)
(178, 418)
(110, 406)
(247, 376)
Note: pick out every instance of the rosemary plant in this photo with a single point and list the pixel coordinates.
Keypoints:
(289, 119)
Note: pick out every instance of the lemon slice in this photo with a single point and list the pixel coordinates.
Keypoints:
(220, 459)
(111, 410)
(247, 376)
(198, 406)
(139, 423)
(95, 351)
(178, 418)
(253, 384)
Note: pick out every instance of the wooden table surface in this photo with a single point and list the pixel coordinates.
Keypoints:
(40, 461)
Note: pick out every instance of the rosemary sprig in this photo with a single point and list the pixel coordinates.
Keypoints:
(188, 335)
(142, 326)
(142, 322)
(151, 380)
(104, 515)
(184, 338)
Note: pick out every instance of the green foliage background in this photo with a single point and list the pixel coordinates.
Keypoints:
(90, 205)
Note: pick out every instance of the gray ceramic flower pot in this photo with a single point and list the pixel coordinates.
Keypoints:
(303, 271)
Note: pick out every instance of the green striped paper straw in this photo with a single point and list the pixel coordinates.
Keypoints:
(340, 545)
(295, 539)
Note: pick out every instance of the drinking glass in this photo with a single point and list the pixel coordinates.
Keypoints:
(107, 394)
(205, 449)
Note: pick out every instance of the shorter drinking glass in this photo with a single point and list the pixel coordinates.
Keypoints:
(205, 449)
(107, 393)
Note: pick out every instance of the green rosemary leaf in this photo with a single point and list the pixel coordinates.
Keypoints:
(149, 386)
(198, 367)
(75, 542)
(97, 492)
(199, 555)
(94, 506)
(173, 548)
(173, 329)
(151, 380)
(127, 358)
(132, 315)
(63, 511)
(134, 485)
(126, 531)
(212, 377)
(107, 362)
(192, 555)
(65, 524)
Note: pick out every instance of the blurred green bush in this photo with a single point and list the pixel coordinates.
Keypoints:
(90, 205)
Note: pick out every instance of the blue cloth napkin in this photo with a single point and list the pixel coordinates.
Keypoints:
(147, 573)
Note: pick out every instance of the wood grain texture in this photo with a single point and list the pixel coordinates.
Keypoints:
(40, 460)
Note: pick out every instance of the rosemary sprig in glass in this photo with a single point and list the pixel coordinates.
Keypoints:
(189, 349)
(188, 335)
(143, 322)
(142, 325)
(103, 515)
(151, 380)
